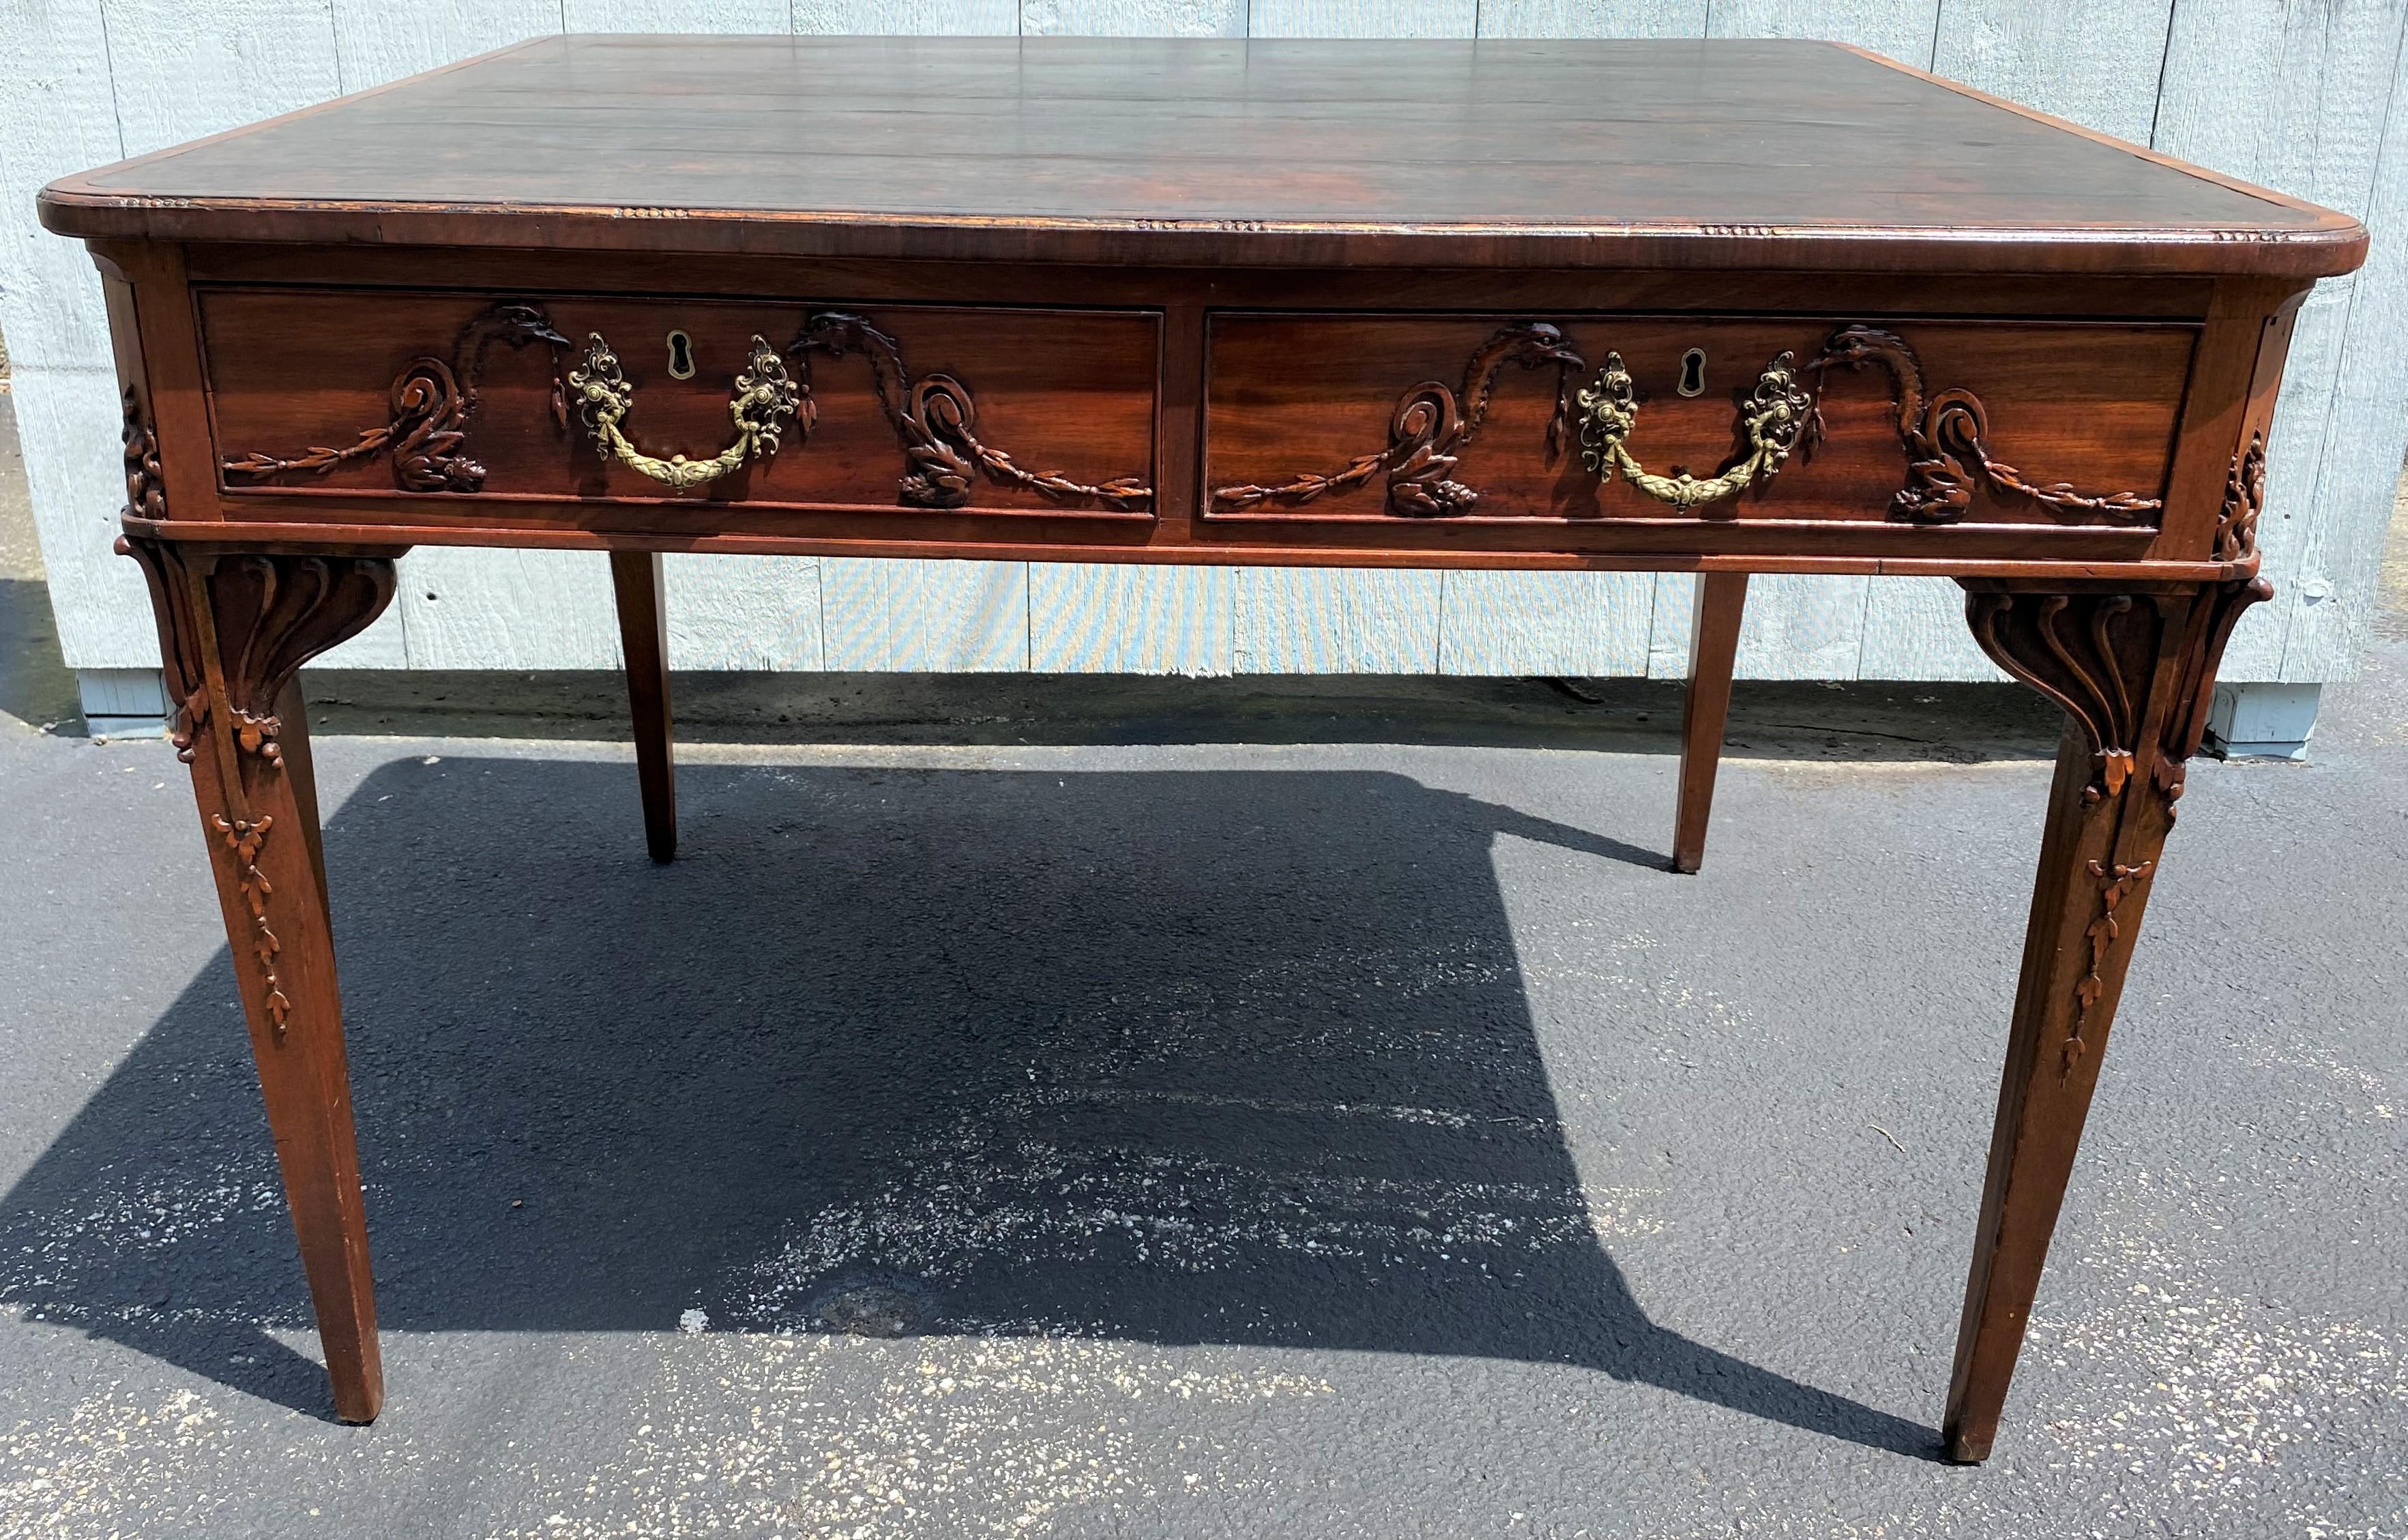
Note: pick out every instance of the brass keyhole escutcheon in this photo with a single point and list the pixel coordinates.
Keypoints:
(1692, 373)
(680, 356)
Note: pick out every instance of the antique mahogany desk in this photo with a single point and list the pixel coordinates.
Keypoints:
(1725, 308)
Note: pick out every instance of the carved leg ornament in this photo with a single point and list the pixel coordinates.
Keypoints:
(234, 631)
(2134, 673)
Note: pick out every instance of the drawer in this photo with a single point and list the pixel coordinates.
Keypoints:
(443, 396)
(1528, 418)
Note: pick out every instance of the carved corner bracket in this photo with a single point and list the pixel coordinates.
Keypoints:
(1429, 429)
(1947, 439)
(234, 629)
(2123, 666)
(432, 401)
(2088, 652)
(935, 420)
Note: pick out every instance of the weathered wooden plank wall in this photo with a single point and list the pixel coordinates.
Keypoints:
(2299, 95)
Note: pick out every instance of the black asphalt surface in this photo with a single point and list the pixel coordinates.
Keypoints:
(1294, 1138)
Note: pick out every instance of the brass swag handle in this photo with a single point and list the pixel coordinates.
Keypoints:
(763, 404)
(1775, 419)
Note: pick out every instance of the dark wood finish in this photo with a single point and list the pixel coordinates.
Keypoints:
(325, 392)
(644, 638)
(1311, 417)
(1636, 154)
(1166, 302)
(233, 631)
(2132, 672)
(1714, 649)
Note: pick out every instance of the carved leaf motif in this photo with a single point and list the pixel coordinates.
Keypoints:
(431, 404)
(1430, 426)
(936, 422)
(2075, 648)
(2115, 886)
(1947, 441)
(146, 489)
(2245, 498)
(245, 837)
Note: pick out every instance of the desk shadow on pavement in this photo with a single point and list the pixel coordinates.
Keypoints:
(1179, 1057)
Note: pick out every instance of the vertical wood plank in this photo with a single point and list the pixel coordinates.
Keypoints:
(175, 80)
(1328, 621)
(1093, 618)
(906, 616)
(1802, 628)
(1133, 18)
(57, 115)
(1899, 29)
(67, 422)
(464, 608)
(908, 18)
(2096, 62)
(2302, 109)
(1914, 629)
(2336, 570)
(1667, 634)
(376, 41)
(1590, 18)
(1361, 18)
(744, 612)
(1592, 624)
(770, 16)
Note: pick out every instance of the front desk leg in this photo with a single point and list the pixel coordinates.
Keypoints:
(2134, 674)
(234, 631)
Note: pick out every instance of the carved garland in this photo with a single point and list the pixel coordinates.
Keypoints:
(146, 489)
(1947, 439)
(232, 632)
(2115, 886)
(245, 837)
(935, 418)
(936, 421)
(2095, 655)
(432, 403)
(1429, 428)
(2245, 498)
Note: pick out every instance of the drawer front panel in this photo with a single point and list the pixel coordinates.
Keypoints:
(438, 396)
(1479, 419)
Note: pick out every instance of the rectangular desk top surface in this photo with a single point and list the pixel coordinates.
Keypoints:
(1558, 154)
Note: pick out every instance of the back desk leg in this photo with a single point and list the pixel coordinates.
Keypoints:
(643, 636)
(1714, 647)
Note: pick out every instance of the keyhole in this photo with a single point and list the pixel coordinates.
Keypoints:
(680, 356)
(1692, 373)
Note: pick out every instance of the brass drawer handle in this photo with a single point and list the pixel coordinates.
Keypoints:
(1776, 418)
(763, 404)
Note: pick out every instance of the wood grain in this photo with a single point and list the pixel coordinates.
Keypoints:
(1125, 150)
(1312, 395)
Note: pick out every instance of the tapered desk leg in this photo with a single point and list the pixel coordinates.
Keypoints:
(644, 636)
(234, 631)
(2134, 673)
(1714, 649)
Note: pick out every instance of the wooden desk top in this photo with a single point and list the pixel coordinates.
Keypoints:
(1538, 154)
